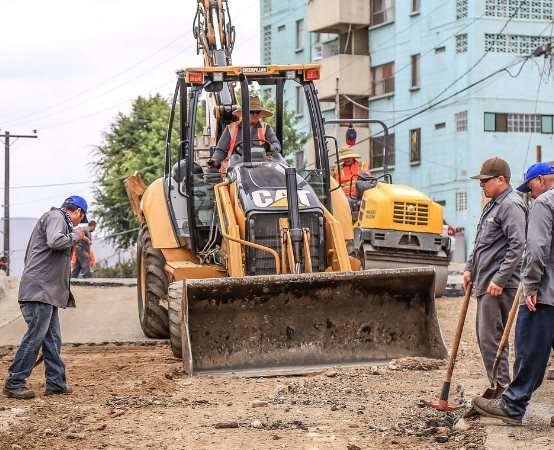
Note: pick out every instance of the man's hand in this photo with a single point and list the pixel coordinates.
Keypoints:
(467, 280)
(531, 302)
(213, 164)
(80, 232)
(494, 289)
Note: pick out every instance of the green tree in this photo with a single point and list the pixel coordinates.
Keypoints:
(133, 142)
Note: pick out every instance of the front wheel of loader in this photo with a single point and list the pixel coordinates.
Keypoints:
(152, 287)
(174, 301)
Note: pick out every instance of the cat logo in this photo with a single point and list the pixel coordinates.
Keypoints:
(278, 198)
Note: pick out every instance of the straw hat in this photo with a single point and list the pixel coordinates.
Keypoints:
(255, 104)
(347, 152)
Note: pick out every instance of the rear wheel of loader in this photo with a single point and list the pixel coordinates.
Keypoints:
(174, 301)
(151, 287)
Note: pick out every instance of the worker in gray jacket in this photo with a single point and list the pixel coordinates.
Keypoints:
(534, 337)
(494, 265)
(44, 287)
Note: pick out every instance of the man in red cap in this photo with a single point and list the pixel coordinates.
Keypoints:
(494, 265)
(44, 287)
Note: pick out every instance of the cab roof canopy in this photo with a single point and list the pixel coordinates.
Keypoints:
(303, 72)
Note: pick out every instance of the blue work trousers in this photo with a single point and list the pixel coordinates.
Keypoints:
(43, 332)
(533, 342)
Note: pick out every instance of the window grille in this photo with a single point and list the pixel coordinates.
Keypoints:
(461, 121)
(524, 123)
(461, 9)
(461, 201)
(267, 44)
(518, 44)
(530, 9)
(461, 43)
(266, 7)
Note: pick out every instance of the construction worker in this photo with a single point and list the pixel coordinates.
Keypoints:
(350, 170)
(534, 335)
(494, 265)
(44, 287)
(260, 134)
(82, 251)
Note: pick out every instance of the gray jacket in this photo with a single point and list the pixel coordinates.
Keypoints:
(499, 243)
(538, 267)
(47, 270)
(225, 140)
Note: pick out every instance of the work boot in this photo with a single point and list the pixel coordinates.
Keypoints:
(493, 408)
(23, 393)
(57, 391)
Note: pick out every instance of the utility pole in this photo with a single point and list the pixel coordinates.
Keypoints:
(7, 136)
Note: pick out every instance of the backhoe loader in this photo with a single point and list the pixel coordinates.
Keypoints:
(248, 268)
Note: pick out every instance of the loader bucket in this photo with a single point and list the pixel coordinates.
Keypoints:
(309, 319)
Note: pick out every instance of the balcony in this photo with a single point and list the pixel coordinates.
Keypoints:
(336, 16)
(353, 73)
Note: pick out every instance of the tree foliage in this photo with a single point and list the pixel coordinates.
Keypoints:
(133, 142)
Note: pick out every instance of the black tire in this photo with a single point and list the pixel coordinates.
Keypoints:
(152, 285)
(174, 302)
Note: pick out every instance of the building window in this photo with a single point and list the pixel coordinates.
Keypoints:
(415, 146)
(416, 6)
(518, 9)
(548, 124)
(376, 149)
(300, 34)
(461, 201)
(518, 44)
(440, 49)
(382, 11)
(281, 28)
(266, 7)
(461, 43)
(524, 123)
(440, 125)
(516, 123)
(415, 70)
(267, 44)
(461, 121)
(461, 9)
(299, 100)
(382, 80)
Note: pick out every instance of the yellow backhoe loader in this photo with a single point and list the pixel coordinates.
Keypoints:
(248, 267)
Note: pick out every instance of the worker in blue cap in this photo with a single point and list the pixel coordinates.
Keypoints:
(534, 337)
(44, 287)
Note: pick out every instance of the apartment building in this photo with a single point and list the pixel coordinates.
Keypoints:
(420, 52)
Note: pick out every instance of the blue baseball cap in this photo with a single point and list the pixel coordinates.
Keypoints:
(79, 202)
(536, 170)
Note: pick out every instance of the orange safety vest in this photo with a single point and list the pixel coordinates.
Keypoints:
(349, 174)
(234, 132)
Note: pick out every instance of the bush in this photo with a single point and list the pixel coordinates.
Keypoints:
(123, 269)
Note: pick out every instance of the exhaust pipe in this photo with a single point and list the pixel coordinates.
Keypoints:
(294, 216)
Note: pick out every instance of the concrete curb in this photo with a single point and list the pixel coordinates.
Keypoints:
(104, 282)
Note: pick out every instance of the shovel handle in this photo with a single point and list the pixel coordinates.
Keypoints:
(456, 344)
(505, 334)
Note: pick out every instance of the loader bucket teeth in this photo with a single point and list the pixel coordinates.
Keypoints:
(309, 319)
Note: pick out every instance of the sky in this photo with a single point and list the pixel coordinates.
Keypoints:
(67, 68)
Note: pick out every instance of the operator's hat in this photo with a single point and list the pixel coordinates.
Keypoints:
(79, 202)
(255, 104)
(347, 152)
(493, 167)
(534, 171)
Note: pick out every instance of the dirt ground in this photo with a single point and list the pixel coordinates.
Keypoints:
(136, 397)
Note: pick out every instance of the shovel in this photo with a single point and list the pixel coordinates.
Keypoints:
(442, 404)
(495, 391)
